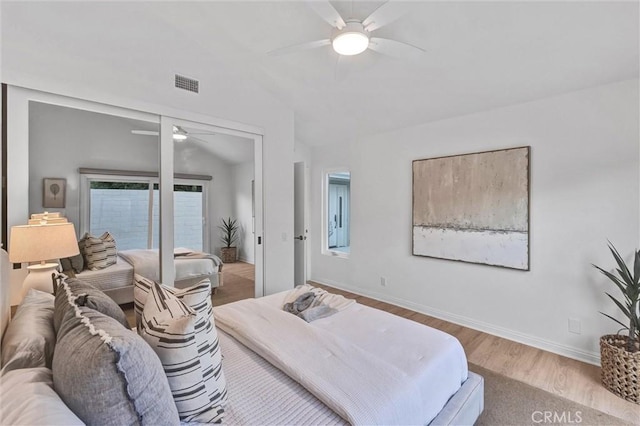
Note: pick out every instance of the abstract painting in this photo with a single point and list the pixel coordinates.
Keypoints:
(473, 208)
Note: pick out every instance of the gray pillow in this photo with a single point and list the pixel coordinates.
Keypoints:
(30, 338)
(27, 398)
(89, 296)
(99, 252)
(108, 375)
(73, 263)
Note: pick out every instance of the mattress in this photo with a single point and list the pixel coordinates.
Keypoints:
(434, 360)
(113, 277)
(145, 263)
(260, 394)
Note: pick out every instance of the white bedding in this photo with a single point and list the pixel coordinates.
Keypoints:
(119, 275)
(260, 394)
(430, 364)
(145, 263)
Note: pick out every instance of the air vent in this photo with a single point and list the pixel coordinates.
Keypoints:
(187, 83)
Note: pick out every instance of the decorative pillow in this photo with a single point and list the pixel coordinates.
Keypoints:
(30, 337)
(107, 374)
(27, 398)
(179, 336)
(99, 252)
(197, 297)
(73, 263)
(86, 295)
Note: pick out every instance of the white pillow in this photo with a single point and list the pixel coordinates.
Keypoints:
(27, 398)
(197, 296)
(186, 342)
(30, 337)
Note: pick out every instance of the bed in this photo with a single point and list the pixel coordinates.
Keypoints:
(117, 280)
(362, 353)
(425, 374)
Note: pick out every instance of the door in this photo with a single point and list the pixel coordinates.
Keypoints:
(300, 230)
(338, 215)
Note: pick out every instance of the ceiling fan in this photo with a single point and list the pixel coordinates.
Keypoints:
(353, 36)
(179, 134)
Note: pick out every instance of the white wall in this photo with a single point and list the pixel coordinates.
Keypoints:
(75, 63)
(242, 208)
(584, 190)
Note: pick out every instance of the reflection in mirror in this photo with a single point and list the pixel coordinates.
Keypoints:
(118, 157)
(337, 214)
(199, 207)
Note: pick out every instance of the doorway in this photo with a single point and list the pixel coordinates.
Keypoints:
(300, 224)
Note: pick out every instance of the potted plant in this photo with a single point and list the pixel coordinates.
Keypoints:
(229, 236)
(620, 354)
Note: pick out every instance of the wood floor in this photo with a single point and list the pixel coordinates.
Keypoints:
(571, 379)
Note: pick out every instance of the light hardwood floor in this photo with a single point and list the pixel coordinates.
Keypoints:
(571, 379)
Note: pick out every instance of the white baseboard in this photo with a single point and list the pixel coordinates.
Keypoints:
(245, 260)
(536, 342)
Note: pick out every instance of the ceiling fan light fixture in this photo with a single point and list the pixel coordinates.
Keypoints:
(352, 40)
(179, 137)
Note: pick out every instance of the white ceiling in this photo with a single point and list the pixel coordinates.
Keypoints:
(479, 55)
(231, 149)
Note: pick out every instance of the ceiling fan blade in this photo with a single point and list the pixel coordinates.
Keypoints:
(145, 132)
(195, 139)
(299, 47)
(385, 14)
(395, 49)
(326, 11)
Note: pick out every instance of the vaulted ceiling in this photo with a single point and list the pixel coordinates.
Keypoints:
(479, 55)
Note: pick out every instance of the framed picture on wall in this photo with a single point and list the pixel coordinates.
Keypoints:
(53, 192)
(473, 208)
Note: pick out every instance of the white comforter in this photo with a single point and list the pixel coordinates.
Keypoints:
(146, 263)
(369, 366)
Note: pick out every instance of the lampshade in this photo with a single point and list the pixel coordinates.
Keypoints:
(36, 243)
(350, 43)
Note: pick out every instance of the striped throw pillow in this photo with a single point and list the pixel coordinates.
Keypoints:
(183, 335)
(99, 252)
(197, 297)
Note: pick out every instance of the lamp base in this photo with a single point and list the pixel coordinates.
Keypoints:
(39, 278)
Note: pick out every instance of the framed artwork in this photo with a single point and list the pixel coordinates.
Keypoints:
(473, 208)
(53, 192)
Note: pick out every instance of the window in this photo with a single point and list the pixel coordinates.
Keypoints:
(188, 216)
(128, 208)
(122, 209)
(336, 235)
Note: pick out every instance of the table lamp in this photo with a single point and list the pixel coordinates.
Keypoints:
(39, 243)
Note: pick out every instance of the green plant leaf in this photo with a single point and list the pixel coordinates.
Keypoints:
(612, 318)
(624, 309)
(617, 281)
(636, 268)
(624, 271)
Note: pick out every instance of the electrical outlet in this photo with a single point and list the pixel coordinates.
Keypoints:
(383, 281)
(574, 325)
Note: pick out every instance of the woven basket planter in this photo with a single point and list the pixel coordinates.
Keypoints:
(228, 254)
(620, 368)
